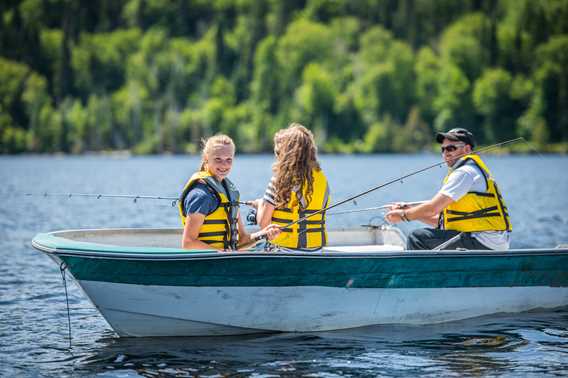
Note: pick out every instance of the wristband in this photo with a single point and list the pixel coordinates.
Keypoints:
(404, 217)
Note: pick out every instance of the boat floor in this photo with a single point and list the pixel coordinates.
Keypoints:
(362, 240)
(364, 248)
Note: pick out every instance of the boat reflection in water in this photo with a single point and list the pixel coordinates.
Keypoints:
(145, 285)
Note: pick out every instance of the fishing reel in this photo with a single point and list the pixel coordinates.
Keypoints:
(377, 223)
(251, 217)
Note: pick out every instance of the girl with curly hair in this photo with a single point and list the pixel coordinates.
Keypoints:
(298, 188)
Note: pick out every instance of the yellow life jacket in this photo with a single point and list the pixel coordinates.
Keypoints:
(309, 234)
(477, 211)
(219, 228)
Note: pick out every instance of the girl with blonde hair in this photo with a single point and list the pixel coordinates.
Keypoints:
(209, 203)
(298, 188)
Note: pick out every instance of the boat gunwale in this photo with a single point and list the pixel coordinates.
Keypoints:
(169, 254)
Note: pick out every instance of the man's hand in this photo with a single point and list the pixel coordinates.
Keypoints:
(395, 216)
(427, 212)
(397, 206)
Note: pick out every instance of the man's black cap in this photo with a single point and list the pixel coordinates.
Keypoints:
(458, 135)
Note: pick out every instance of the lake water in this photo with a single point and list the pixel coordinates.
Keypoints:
(33, 317)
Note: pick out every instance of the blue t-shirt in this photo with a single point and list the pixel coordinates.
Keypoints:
(200, 200)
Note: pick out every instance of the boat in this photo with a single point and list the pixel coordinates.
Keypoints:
(144, 284)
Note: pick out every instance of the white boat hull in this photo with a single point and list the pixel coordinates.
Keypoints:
(142, 310)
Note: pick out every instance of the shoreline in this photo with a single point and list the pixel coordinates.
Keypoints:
(124, 154)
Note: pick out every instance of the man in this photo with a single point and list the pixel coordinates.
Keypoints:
(468, 210)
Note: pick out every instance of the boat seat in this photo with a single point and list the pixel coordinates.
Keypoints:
(364, 248)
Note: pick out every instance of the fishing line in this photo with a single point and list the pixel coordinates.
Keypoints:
(134, 197)
(400, 179)
(383, 207)
(352, 198)
(175, 200)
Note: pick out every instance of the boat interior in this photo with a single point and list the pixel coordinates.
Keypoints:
(364, 239)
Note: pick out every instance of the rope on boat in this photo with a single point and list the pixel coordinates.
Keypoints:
(62, 269)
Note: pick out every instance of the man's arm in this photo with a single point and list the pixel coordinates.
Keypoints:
(458, 184)
(428, 212)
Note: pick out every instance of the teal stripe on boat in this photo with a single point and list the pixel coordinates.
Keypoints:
(434, 271)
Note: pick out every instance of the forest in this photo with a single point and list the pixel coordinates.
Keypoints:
(366, 76)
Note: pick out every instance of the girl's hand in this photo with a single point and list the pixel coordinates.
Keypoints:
(254, 203)
(271, 232)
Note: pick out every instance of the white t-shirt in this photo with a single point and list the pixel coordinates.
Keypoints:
(468, 178)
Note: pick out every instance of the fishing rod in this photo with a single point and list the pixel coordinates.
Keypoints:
(400, 179)
(175, 200)
(97, 196)
(383, 207)
(134, 197)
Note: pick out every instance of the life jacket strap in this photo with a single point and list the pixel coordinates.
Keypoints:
(319, 229)
(280, 220)
(477, 212)
(481, 194)
(483, 213)
(214, 221)
(284, 209)
(212, 233)
(313, 221)
(206, 241)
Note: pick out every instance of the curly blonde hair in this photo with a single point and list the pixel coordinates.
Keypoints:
(296, 157)
(210, 143)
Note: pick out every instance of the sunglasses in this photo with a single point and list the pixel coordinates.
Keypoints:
(451, 147)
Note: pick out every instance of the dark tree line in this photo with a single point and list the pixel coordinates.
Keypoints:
(369, 75)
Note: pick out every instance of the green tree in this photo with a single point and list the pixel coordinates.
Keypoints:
(427, 69)
(99, 60)
(551, 77)
(23, 93)
(304, 42)
(315, 100)
(384, 82)
(452, 103)
(495, 98)
(464, 43)
(265, 90)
